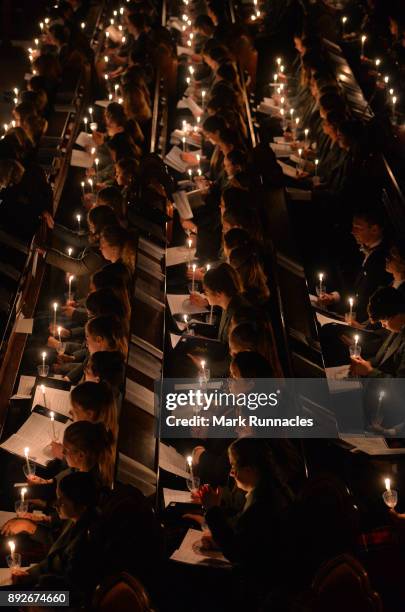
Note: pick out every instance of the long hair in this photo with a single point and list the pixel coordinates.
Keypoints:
(97, 399)
(11, 172)
(246, 262)
(97, 444)
(123, 239)
(111, 330)
(223, 279)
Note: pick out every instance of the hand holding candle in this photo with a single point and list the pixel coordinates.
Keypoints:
(390, 496)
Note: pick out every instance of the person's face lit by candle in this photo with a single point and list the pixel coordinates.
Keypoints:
(213, 137)
(365, 233)
(246, 477)
(213, 297)
(96, 343)
(110, 253)
(67, 510)
(395, 263)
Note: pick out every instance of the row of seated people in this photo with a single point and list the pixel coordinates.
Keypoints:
(72, 539)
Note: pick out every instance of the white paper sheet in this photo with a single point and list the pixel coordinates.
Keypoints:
(136, 474)
(184, 50)
(339, 381)
(36, 434)
(324, 320)
(190, 552)
(171, 461)
(140, 396)
(289, 171)
(24, 326)
(85, 139)
(56, 400)
(179, 255)
(281, 150)
(182, 204)
(25, 387)
(372, 445)
(193, 106)
(174, 160)
(180, 304)
(174, 339)
(81, 159)
(179, 497)
(102, 103)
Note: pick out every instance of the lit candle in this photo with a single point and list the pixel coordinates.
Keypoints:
(41, 25)
(321, 286)
(96, 163)
(71, 278)
(306, 134)
(85, 121)
(190, 252)
(275, 78)
(90, 182)
(43, 359)
(70, 251)
(190, 174)
(83, 185)
(91, 113)
(193, 278)
(344, 21)
(278, 61)
(185, 319)
(26, 455)
(292, 111)
(300, 160)
(190, 464)
(43, 394)
(83, 25)
(184, 143)
(11, 544)
(211, 314)
(316, 167)
(52, 415)
(394, 101)
(116, 88)
(386, 79)
(363, 40)
(387, 484)
(203, 94)
(23, 493)
(55, 308)
(78, 217)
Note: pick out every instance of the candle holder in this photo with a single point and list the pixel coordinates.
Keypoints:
(14, 560)
(355, 350)
(350, 317)
(390, 497)
(21, 507)
(43, 370)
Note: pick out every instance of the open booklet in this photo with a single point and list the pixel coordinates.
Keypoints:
(37, 435)
(81, 159)
(171, 461)
(85, 139)
(192, 552)
(174, 160)
(136, 474)
(179, 255)
(25, 387)
(191, 105)
(182, 204)
(55, 400)
(179, 497)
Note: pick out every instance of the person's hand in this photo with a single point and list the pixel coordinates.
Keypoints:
(65, 358)
(210, 497)
(194, 517)
(188, 225)
(57, 450)
(208, 542)
(36, 518)
(53, 342)
(198, 300)
(189, 158)
(16, 526)
(356, 324)
(198, 275)
(98, 138)
(397, 518)
(33, 479)
(64, 333)
(19, 575)
(46, 215)
(360, 367)
(326, 299)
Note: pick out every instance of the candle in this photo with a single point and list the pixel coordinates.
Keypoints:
(26, 454)
(116, 88)
(185, 319)
(11, 544)
(193, 279)
(190, 252)
(78, 217)
(203, 94)
(83, 185)
(23, 493)
(363, 40)
(190, 174)
(275, 78)
(83, 25)
(351, 302)
(278, 61)
(55, 308)
(71, 278)
(184, 143)
(394, 101)
(190, 465)
(96, 162)
(321, 287)
(211, 314)
(43, 359)
(387, 484)
(43, 394)
(300, 160)
(41, 25)
(344, 21)
(91, 112)
(52, 415)
(85, 121)
(292, 111)
(306, 133)
(316, 167)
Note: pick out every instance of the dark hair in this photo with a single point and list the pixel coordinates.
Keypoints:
(80, 488)
(252, 365)
(249, 313)
(109, 367)
(214, 124)
(236, 237)
(205, 23)
(223, 279)
(372, 216)
(218, 54)
(245, 259)
(25, 109)
(110, 276)
(112, 197)
(100, 217)
(227, 71)
(252, 336)
(111, 329)
(385, 303)
(98, 399)
(332, 102)
(121, 147)
(116, 112)
(236, 197)
(60, 32)
(129, 166)
(138, 20)
(106, 302)
(237, 157)
(117, 236)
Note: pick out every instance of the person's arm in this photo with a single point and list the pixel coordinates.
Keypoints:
(89, 263)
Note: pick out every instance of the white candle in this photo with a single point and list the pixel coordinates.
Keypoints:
(211, 314)
(85, 121)
(316, 167)
(70, 251)
(184, 143)
(55, 308)
(351, 302)
(190, 465)
(363, 40)
(43, 359)
(11, 544)
(83, 25)
(394, 101)
(71, 278)
(387, 484)
(203, 94)
(96, 162)
(59, 336)
(23, 493)
(344, 21)
(185, 319)
(83, 185)
(356, 340)
(321, 287)
(52, 415)
(78, 218)
(41, 25)
(306, 133)
(275, 78)
(278, 61)
(91, 112)
(193, 279)
(26, 455)
(190, 252)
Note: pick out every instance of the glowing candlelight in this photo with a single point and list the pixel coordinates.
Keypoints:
(71, 278)
(78, 218)
(83, 25)
(321, 285)
(43, 359)
(356, 340)
(351, 302)
(96, 162)
(194, 267)
(23, 494)
(184, 143)
(316, 167)
(52, 415)
(90, 182)
(85, 121)
(363, 40)
(11, 545)
(344, 21)
(70, 251)
(26, 455)
(55, 308)
(306, 134)
(91, 112)
(387, 484)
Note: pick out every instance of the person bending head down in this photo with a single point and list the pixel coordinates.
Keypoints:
(94, 402)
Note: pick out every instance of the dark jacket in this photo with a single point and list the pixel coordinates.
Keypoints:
(389, 361)
(370, 277)
(236, 302)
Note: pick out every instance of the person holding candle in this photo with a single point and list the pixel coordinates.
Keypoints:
(386, 306)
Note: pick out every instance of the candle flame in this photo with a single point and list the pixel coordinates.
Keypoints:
(190, 460)
(11, 544)
(26, 452)
(387, 484)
